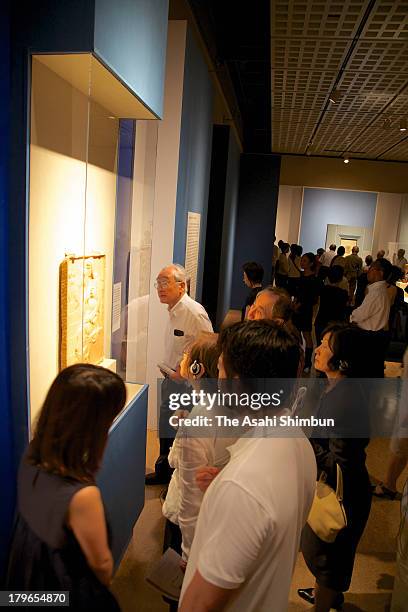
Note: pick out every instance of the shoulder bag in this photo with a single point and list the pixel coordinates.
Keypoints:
(327, 516)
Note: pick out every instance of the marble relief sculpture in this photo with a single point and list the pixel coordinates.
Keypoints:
(82, 293)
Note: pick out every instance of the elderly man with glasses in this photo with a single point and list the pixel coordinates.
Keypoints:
(187, 319)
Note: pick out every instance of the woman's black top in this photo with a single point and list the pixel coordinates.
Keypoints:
(251, 297)
(333, 305)
(45, 555)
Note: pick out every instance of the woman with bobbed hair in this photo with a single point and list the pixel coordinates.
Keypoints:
(61, 538)
(193, 448)
(344, 354)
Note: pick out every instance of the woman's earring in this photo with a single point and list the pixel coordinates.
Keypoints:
(195, 368)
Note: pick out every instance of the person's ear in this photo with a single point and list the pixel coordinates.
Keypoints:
(251, 313)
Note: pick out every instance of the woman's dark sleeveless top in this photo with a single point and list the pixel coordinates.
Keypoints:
(45, 555)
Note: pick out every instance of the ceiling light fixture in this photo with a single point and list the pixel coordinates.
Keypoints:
(334, 96)
(403, 125)
(387, 124)
(346, 159)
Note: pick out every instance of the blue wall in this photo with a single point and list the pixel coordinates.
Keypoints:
(257, 205)
(195, 153)
(7, 459)
(50, 26)
(140, 25)
(324, 206)
(229, 229)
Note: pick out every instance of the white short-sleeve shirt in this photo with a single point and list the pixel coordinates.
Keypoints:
(186, 320)
(374, 312)
(248, 532)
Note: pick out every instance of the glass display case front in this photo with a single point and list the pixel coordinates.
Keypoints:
(92, 177)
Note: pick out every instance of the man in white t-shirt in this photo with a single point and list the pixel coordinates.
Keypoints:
(325, 261)
(248, 532)
(187, 319)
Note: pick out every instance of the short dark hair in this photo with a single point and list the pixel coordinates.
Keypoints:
(384, 265)
(320, 251)
(254, 271)
(340, 251)
(259, 349)
(312, 259)
(72, 429)
(332, 247)
(395, 275)
(352, 350)
(369, 260)
(335, 274)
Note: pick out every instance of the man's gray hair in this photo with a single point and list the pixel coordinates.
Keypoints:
(180, 274)
(282, 308)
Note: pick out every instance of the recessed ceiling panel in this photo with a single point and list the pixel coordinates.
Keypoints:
(308, 54)
(400, 152)
(388, 56)
(358, 49)
(380, 140)
(388, 20)
(316, 18)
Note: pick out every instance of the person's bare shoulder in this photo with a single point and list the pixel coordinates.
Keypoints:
(85, 499)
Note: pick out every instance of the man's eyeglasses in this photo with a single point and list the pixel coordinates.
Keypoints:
(163, 284)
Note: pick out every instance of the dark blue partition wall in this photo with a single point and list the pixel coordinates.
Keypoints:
(257, 205)
(195, 152)
(221, 222)
(7, 458)
(229, 229)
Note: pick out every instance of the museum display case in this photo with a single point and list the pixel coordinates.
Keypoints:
(91, 191)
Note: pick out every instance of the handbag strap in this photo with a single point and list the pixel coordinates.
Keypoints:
(339, 488)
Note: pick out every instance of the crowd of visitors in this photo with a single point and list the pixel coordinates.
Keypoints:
(330, 286)
(237, 507)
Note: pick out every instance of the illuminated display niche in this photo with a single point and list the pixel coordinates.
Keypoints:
(92, 175)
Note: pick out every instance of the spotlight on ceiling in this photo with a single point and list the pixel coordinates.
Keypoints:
(387, 124)
(334, 96)
(346, 159)
(403, 125)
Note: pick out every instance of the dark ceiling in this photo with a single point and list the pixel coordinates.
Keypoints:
(237, 36)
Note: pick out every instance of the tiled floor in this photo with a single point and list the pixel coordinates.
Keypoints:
(375, 562)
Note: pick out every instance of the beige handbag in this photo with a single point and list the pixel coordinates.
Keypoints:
(327, 516)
